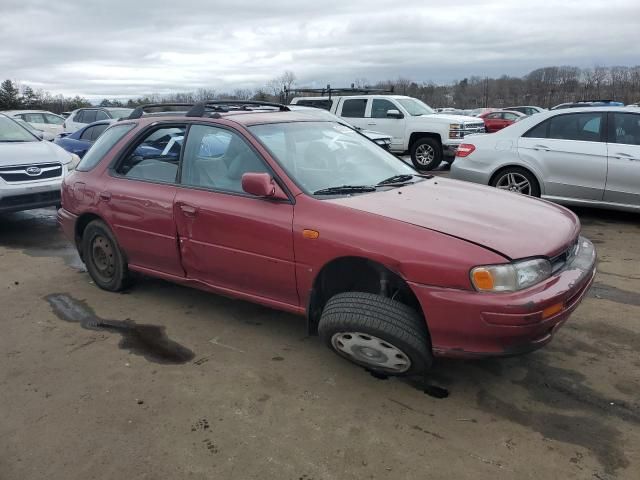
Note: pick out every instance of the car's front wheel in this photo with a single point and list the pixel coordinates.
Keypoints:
(376, 332)
(104, 259)
(426, 154)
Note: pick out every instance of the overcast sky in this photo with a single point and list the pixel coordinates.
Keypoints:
(132, 47)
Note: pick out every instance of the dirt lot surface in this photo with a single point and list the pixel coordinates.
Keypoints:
(167, 382)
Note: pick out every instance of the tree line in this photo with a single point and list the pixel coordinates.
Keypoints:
(543, 87)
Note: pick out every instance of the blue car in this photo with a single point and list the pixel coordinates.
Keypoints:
(79, 141)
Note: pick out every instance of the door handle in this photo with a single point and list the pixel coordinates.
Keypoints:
(105, 196)
(372, 123)
(188, 210)
(541, 148)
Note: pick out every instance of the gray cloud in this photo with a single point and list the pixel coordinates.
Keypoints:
(134, 47)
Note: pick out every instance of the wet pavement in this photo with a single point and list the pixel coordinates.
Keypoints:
(169, 382)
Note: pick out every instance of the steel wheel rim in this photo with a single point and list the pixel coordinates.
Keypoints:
(514, 182)
(102, 255)
(425, 154)
(371, 351)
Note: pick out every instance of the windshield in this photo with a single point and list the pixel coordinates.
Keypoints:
(415, 107)
(120, 112)
(10, 131)
(321, 155)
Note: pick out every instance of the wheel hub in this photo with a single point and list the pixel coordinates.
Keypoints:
(514, 182)
(371, 351)
(102, 255)
(425, 154)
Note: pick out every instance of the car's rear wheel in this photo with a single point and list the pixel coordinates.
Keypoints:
(103, 257)
(376, 332)
(516, 179)
(426, 154)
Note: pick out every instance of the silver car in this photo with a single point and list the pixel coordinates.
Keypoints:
(31, 170)
(578, 156)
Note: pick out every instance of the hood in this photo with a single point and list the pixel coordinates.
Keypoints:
(513, 225)
(24, 153)
(454, 118)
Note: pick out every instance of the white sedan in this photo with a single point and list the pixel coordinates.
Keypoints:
(579, 156)
(40, 120)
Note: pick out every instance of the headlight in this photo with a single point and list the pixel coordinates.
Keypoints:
(71, 166)
(510, 277)
(456, 130)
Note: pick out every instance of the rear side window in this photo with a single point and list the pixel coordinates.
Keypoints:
(99, 149)
(53, 119)
(156, 157)
(539, 131)
(33, 117)
(89, 116)
(576, 126)
(101, 115)
(354, 108)
(626, 128)
(324, 104)
(510, 116)
(86, 135)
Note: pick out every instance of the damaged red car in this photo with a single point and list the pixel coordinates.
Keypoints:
(390, 266)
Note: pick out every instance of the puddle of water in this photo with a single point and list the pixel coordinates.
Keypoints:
(607, 292)
(149, 341)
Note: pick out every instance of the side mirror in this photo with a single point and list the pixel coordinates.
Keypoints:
(262, 185)
(393, 113)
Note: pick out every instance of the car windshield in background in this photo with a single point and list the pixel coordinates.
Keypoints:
(415, 107)
(120, 112)
(327, 155)
(10, 131)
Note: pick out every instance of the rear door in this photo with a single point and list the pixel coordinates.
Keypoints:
(353, 110)
(493, 122)
(54, 123)
(569, 152)
(623, 177)
(138, 200)
(230, 239)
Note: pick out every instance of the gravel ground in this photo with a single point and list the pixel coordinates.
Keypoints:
(169, 382)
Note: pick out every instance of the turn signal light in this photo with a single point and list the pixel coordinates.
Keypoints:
(311, 234)
(482, 279)
(552, 310)
(465, 150)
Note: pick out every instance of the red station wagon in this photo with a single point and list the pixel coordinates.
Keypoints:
(391, 267)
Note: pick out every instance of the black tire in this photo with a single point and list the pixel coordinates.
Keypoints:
(424, 148)
(502, 175)
(394, 323)
(104, 260)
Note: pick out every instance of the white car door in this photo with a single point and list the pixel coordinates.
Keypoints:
(379, 120)
(353, 111)
(623, 177)
(570, 154)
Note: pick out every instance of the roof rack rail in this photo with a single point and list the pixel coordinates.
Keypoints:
(200, 109)
(161, 107)
(328, 91)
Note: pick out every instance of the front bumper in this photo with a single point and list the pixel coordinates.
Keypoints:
(469, 324)
(26, 197)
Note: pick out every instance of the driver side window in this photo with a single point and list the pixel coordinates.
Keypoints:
(216, 158)
(156, 157)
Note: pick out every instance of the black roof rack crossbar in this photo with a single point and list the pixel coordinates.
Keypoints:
(329, 91)
(138, 112)
(200, 109)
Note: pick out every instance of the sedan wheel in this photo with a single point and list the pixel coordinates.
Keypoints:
(105, 261)
(514, 182)
(371, 351)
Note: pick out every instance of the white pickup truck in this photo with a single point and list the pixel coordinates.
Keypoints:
(414, 127)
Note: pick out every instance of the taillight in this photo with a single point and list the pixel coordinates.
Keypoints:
(465, 150)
